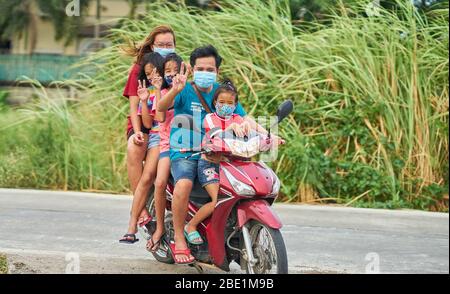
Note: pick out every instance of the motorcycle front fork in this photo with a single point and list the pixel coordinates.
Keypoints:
(248, 251)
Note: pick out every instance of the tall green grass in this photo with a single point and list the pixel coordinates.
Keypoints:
(370, 126)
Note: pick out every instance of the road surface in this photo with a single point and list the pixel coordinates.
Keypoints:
(46, 231)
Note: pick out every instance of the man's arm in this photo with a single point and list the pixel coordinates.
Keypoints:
(167, 100)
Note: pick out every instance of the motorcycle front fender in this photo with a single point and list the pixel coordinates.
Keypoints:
(258, 210)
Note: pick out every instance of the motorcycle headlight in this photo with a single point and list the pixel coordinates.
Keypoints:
(240, 188)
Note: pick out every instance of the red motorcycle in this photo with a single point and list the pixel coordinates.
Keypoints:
(243, 228)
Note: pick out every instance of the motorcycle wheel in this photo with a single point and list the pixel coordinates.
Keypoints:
(269, 249)
(164, 253)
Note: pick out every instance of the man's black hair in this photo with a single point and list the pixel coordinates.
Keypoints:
(154, 59)
(206, 51)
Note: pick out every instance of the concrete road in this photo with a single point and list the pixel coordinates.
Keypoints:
(42, 231)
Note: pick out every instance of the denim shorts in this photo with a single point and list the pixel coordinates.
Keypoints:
(164, 154)
(208, 172)
(153, 140)
(182, 168)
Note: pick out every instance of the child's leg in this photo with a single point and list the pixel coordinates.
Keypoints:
(146, 181)
(206, 210)
(162, 177)
(208, 175)
(135, 156)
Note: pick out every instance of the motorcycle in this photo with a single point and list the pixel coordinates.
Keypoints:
(243, 228)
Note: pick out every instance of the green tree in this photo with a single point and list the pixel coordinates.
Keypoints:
(16, 16)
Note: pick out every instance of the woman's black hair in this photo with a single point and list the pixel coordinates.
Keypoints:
(171, 57)
(154, 59)
(227, 86)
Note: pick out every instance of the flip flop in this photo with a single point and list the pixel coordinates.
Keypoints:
(154, 246)
(127, 240)
(185, 252)
(145, 221)
(193, 236)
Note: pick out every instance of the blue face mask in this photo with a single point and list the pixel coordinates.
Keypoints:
(164, 51)
(204, 79)
(225, 110)
(169, 80)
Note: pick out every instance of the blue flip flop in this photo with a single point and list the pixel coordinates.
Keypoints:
(192, 236)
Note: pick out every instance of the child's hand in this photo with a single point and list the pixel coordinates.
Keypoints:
(246, 127)
(179, 81)
(278, 140)
(236, 129)
(138, 138)
(157, 82)
(142, 91)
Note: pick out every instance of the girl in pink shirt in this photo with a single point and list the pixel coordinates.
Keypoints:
(171, 66)
(225, 101)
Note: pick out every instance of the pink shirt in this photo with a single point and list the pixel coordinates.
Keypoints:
(212, 120)
(164, 127)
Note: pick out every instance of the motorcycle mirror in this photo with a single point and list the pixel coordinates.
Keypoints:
(284, 110)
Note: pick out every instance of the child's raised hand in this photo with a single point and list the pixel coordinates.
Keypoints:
(142, 90)
(179, 81)
(157, 81)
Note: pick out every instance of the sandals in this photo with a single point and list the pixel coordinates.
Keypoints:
(154, 246)
(192, 236)
(185, 252)
(145, 221)
(129, 239)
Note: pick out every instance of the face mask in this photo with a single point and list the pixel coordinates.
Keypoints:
(204, 79)
(225, 110)
(164, 51)
(169, 80)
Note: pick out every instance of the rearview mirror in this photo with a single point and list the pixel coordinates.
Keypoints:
(284, 110)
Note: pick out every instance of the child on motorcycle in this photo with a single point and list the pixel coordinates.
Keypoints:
(171, 67)
(151, 75)
(224, 119)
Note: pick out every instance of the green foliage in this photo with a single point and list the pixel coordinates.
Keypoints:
(370, 125)
(3, 264)
(3, 97)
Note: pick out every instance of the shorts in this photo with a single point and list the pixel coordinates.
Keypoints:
(184, 169)
(153, 140)
(164, 154)
(130, 130)
(208, 172)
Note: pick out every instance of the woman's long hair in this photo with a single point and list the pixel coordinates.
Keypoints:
(146, 47)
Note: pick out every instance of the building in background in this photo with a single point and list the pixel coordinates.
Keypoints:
(36, 53)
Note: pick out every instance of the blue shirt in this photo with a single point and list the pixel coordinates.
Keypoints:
(187, 102)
